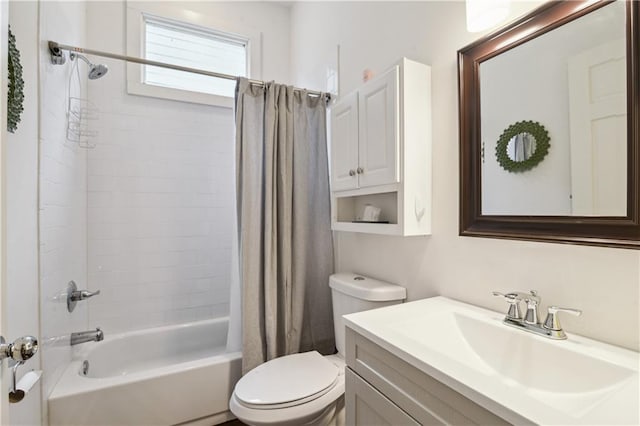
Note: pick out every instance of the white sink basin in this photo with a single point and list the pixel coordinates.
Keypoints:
(525, 377)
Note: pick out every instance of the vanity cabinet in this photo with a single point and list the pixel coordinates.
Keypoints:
(383, 389)
(381, 153)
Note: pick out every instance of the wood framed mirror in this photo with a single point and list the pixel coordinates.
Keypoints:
(572, 66)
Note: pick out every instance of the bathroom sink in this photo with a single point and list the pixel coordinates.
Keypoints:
(538, 363)
(521, 376)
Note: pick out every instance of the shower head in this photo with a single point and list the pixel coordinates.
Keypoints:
(95, 70)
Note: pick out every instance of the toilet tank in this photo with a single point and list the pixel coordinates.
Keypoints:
(356, 293)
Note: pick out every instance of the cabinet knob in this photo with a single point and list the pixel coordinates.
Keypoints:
(352, 172)
(360, 170)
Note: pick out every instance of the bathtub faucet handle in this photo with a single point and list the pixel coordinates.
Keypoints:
(74, 295)
(83, 294)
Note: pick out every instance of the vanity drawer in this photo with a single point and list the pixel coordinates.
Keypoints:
(366, 406)
(421, 396)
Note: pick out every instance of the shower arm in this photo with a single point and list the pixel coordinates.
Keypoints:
(57, 57)
(74, 55)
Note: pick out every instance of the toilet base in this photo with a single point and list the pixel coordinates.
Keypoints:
(338, 418)
(333, 415)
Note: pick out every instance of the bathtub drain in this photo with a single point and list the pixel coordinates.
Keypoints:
(85, 367)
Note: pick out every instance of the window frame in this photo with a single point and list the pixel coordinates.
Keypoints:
(167, 14)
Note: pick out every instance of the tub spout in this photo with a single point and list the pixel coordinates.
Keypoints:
(87, 336)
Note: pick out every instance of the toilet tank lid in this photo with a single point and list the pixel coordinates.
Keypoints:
(366, 288)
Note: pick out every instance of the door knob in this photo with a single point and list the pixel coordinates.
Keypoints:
(22, 349)
(352, 172)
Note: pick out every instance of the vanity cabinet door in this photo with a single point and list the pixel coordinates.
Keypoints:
(366, 406)
(414, 392)
(344, 143)
(378, 105)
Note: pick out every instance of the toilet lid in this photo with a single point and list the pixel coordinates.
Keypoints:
(287, 381)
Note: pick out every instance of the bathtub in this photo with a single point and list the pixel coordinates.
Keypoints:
(161, 376)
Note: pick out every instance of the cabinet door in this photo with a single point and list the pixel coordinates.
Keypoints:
(344, 143)
(379, 139)
(366, 406)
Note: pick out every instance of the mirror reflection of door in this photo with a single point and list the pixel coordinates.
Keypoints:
(521, 147)
(597, 115)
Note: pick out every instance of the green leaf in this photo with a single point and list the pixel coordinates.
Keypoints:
(15, 95)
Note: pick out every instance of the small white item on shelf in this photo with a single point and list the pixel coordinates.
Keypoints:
(371, 213)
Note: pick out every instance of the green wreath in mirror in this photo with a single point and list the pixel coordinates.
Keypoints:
(522, 146)
(15, 93)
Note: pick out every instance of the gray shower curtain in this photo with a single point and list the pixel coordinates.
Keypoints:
(284, 226)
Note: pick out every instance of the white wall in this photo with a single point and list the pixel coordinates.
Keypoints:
(375, 34)
(63, 194)
(160, 181)
(22, 210)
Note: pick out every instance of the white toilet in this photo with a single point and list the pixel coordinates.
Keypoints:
(308, 388)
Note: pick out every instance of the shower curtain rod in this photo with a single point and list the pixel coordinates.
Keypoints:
(57, 48)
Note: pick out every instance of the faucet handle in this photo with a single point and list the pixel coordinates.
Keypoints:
(74, 295)
(513, 299)
(552, 323)
(510, 297)
(532, 296)
(83, 294)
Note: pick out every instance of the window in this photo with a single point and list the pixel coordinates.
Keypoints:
(194, 38)
(185, 45)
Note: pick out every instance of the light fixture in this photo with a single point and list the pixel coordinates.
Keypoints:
(483, 14)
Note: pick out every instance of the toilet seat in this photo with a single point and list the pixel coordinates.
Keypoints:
(287, 381)
(299, 412)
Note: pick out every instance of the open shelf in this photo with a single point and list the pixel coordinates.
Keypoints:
(349, 209)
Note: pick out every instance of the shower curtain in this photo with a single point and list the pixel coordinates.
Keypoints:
(284, 227)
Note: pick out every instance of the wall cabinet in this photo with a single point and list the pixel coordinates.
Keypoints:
(381, 153)
(344, 143)
(365, 136)
(385, 389)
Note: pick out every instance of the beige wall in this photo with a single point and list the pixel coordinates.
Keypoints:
(603, 282)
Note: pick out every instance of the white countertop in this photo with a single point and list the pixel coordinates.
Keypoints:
(519, 376)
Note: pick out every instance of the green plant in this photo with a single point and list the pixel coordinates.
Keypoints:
(16, 86)
(536, 130)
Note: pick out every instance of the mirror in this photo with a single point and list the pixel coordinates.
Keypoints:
(549, 127)
(521, 147)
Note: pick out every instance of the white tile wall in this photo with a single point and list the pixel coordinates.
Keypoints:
(63, 195)
(160, 182)
(160, 200)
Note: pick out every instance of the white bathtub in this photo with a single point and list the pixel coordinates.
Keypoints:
(161, 376)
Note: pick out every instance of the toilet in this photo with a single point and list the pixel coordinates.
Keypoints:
(308, 388)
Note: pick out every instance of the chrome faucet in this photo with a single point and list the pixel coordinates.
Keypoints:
(532, 300)
(87, 336)
(550, 328)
